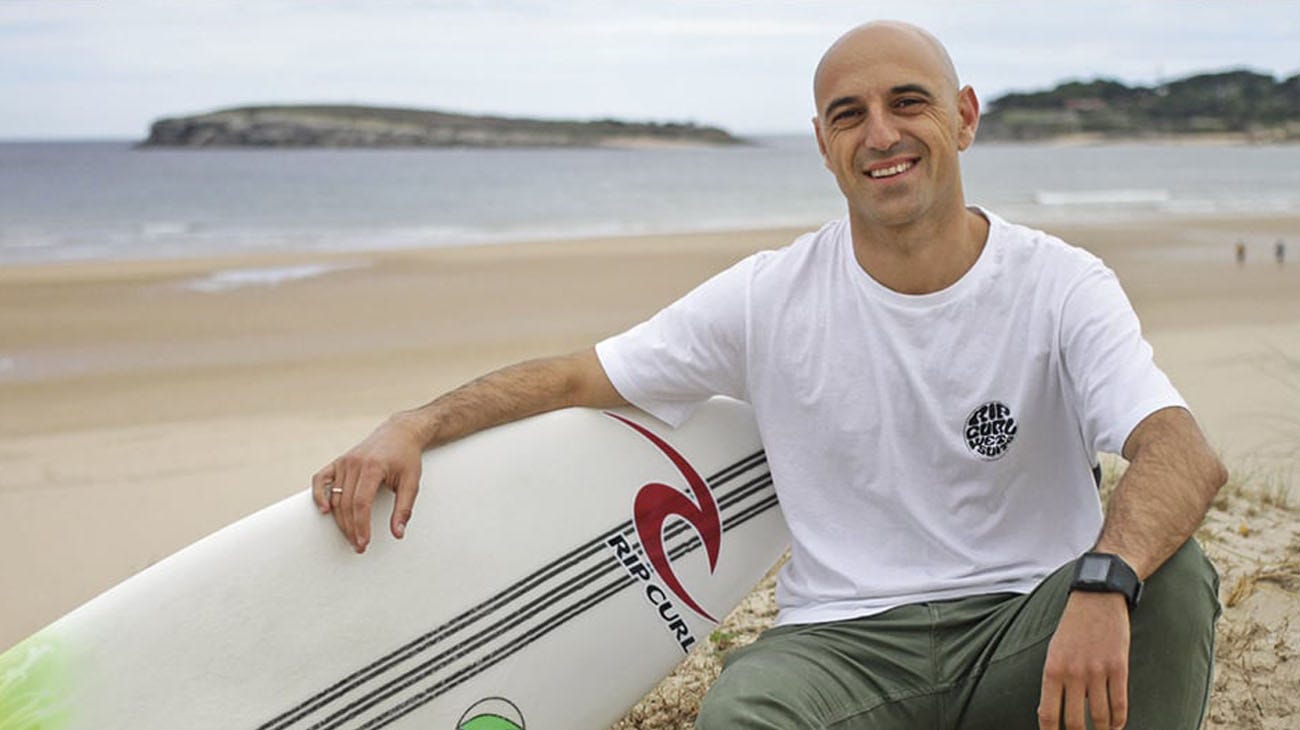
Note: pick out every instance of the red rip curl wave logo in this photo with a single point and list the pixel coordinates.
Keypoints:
(656, 502)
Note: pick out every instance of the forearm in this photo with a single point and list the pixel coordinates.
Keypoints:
(1163, 496)
(1172, 477)
(512, 393)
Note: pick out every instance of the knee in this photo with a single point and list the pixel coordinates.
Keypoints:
(739, 701)
(1187, 579)
(1181, 599)
(757, 690)
(1172, 651)
(720, 714)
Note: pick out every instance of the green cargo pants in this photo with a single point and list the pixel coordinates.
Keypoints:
(972, 663)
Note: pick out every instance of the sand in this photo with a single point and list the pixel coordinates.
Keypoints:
(144, 404)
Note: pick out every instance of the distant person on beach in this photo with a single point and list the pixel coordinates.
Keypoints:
(1241, 253)
(1279, 251)
(933, 385)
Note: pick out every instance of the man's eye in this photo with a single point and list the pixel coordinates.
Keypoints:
(908, 101)
(846, 115)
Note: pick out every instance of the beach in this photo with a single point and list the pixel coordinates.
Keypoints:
(146, 403)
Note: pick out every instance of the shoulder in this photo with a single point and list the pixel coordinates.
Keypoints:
(773, 270)
(1036, 256)
(810, 252)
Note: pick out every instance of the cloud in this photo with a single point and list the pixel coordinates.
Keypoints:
(93, 67)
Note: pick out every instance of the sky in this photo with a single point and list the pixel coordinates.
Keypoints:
(86, 69)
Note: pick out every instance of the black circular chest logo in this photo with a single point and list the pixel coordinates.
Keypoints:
(990, 429)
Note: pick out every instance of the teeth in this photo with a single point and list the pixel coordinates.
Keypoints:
(890, 171)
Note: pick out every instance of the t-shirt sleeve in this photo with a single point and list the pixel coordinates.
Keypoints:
(689, 352)
(1109, 365)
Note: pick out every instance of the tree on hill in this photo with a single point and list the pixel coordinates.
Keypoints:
(1234, 101)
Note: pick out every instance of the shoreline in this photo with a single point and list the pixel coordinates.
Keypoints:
(1247, 222)
(1098, 139)
(1207, 139)
(198, 407)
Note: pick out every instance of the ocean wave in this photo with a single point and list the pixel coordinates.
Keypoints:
(163, 229)
(231, 279)
(1103, 197)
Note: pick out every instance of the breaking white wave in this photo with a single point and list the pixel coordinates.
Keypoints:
(1103, 197)
(231, 279)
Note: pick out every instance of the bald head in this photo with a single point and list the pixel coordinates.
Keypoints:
(903, 42)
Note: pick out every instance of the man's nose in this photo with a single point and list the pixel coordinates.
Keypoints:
(882, 132)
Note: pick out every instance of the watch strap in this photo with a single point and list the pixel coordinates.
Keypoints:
(1118, 577)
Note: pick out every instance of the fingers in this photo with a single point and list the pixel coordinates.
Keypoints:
(346, 488)
(1063, 704)
(1074, 707)
(1049, 704)
(1118, 685)
(355, 488)
(320, 488)
(361, 497)
(408, 486)
(1099, 704)
(340, 518)
(351, 477)
(327, 492)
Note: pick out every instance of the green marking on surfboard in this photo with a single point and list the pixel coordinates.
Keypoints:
(33, 685)
(489, 722)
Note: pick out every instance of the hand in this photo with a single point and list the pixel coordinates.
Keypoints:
(389, 457)
(1087, 664)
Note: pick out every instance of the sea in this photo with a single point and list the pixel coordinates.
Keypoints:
(77, 201)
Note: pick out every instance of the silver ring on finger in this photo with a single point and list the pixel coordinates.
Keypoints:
(334, 491)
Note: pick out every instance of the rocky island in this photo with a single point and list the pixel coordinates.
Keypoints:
(364, 126)
(1237, 105)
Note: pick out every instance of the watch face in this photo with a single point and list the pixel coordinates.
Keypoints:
(1094, 570)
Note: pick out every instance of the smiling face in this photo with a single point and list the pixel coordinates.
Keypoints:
(890, 124)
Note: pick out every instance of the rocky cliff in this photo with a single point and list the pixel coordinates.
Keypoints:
(359, 126)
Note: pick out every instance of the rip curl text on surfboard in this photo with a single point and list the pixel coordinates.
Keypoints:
(654, 593)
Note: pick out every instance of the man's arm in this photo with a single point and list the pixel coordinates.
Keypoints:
(391, 455)
(1164, 494)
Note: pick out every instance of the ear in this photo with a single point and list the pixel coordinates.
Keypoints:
(821, 142)
(968, 112)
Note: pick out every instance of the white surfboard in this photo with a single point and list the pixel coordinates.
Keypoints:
(557, 568)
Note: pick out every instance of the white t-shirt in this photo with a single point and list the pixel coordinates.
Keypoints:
(923, 447)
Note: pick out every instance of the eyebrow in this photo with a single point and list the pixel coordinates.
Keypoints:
(893, 91)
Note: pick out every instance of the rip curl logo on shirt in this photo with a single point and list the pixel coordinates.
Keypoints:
(990, 429)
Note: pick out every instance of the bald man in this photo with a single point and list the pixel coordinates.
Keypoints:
(932, 385)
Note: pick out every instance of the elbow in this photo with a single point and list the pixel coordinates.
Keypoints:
(584, 383)
(571, 386)
(1216, 475)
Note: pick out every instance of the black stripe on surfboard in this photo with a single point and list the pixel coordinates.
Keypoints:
(544, 574)
(753, 511)
(575, 557)
(450, 629)
(728, 473)
(428, 695)
(515, 620)
(726, 501)
(445, 686)
(511, 593)
(500, 654)
(485, 636)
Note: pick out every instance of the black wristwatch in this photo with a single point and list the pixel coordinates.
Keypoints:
(1107, 573)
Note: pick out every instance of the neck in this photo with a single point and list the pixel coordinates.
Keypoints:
(920, 257)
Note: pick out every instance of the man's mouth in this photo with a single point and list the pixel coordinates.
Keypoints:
(897, 168)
